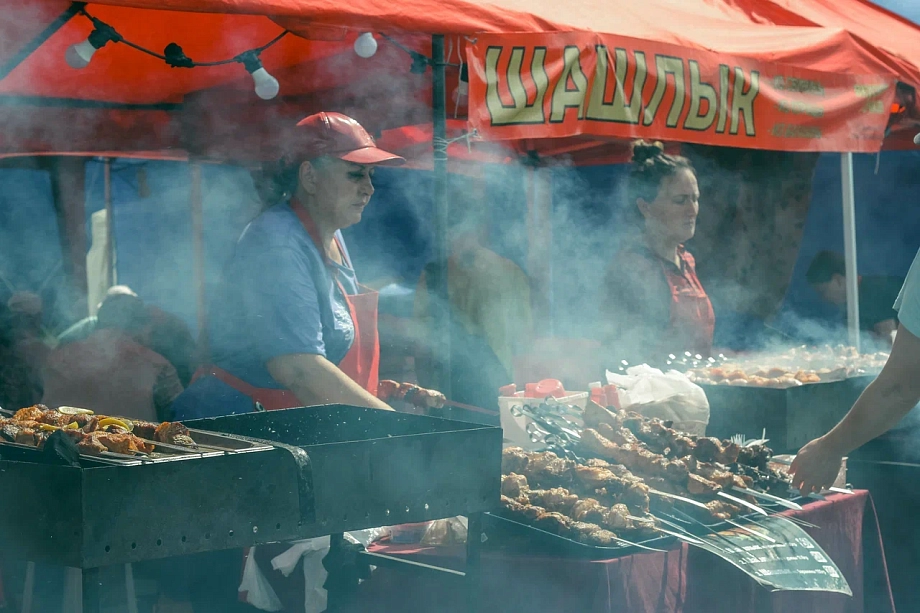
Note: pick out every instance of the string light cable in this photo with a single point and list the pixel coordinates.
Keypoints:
(79, 55)
(440, 145)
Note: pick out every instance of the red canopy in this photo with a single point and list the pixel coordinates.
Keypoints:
(126, 101)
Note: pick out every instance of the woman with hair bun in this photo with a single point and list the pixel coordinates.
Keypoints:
(655, 304)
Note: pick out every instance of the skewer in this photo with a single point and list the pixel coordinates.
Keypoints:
(743, 503)
(689, 501)
(751, 531)
(678, 535)
(769, 497)
(705, 527)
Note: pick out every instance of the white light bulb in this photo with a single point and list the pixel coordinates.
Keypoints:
(366, 45)
(79, 55)
(266, 85)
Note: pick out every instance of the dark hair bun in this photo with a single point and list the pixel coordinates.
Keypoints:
(642, 151)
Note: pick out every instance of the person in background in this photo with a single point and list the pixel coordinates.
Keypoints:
(31, 344)
(296, 328)
(112, 371)
(87, 325)
(171, 338)
(653, 303)
(19, 385)
(827, 275)
(490, 311)
(168, 335)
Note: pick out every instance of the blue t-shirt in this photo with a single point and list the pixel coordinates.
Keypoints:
(908, 303)
(279, 298)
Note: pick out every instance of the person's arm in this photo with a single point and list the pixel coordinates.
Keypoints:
(315, 380)
(880, 407)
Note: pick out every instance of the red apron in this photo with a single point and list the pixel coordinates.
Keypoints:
(361, 363)
(692, 319)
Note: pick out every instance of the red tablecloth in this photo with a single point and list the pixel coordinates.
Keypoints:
(683, 580)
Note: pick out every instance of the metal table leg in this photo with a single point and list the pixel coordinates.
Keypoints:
(473, 549)
(92, 590)
(334, 598)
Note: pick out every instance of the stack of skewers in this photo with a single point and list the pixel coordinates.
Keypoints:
(624, 477)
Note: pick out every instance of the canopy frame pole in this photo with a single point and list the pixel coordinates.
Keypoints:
(198, 274)
(111, 271)
(441, 315)
(849, 247)
(41, 39)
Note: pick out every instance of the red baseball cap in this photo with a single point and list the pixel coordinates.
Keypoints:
(340, 136)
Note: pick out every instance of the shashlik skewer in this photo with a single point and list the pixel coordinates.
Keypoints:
(95, 434)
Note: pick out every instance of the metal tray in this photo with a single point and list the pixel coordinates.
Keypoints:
(506, 533)
(209, 444)
(378, 468)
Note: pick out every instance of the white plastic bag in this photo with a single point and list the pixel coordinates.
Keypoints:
(669, 396)
(259, 592)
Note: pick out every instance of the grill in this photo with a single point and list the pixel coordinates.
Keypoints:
(287, 475)
(792, 416)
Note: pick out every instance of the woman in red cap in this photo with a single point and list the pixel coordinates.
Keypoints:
(655, 303)
(295, 328)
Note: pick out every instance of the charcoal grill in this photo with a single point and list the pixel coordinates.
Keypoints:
(307, 472)
(791, 417)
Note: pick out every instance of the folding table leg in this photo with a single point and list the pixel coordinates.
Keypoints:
(473, 549)
(334, 598)
(92, 590)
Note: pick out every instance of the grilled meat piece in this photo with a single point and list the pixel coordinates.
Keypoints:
(514, 460)
(707, 449)
(91, 445)
(698, 486)
(33, 413)
(756, 456)
(588, 510)
(514, 485)
(636, 458)
(554, 523)
(122, 443)
(556, 499)
(730, 452)
(146, 429)
(616, 518)
(603, 538)
(173, 433)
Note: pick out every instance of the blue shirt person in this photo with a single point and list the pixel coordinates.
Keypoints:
(284, 320)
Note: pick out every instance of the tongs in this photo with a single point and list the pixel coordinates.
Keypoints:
(554, 429)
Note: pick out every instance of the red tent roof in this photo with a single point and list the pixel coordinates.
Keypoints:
(213, 111)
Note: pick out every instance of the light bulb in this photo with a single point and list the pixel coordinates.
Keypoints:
(79, 55)
(266, 85)
(366, 45)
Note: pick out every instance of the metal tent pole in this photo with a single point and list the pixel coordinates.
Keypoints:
(111, 274)
(441, 305)
(849, 246)
(197, 210)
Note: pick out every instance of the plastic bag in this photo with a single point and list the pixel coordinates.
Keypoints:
(259, 592)
(451, 531)
(669, 396)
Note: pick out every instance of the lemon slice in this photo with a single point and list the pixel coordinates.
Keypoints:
(48, 427)
(121, 423)
(74, 411)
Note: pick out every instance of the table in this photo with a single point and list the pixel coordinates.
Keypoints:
(681, 580)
